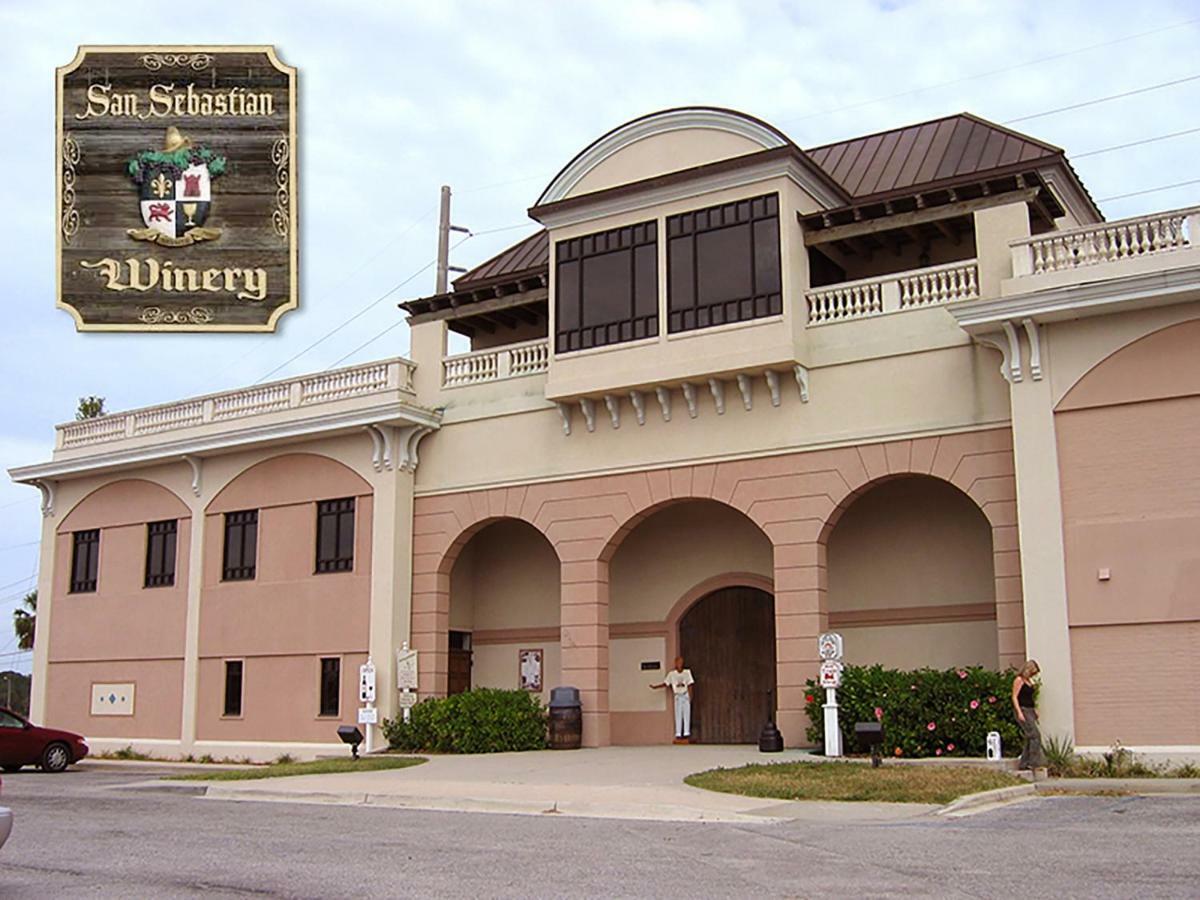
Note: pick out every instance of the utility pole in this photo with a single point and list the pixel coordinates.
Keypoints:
(443, 249)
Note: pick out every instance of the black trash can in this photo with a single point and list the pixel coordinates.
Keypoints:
(566, 719)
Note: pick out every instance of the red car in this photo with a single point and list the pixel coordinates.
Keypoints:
(24, 744)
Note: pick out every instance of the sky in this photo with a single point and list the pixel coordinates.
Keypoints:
(493, 98)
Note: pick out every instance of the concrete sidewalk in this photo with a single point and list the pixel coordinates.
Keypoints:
(608, 782)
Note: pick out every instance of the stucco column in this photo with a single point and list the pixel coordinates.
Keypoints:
(41, 634)
(1043, 565)
(584, 635)
(800, 616)
(994, 228)
(191, 637)
(391, 586)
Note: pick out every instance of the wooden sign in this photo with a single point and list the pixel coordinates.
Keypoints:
(176, 200)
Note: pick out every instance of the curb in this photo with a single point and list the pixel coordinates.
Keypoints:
(987, 798)
(1157, 786)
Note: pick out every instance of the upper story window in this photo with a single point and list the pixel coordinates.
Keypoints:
(160, 553)
(85, 561)
(606, 287)
(723, 264)
(241, 545)
(335, 535)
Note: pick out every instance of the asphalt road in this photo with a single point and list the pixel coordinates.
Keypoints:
(88, 833)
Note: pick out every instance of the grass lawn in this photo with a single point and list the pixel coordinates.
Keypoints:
(854, 781)
(316, 767)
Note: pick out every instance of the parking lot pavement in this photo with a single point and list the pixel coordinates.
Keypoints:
(86, 832)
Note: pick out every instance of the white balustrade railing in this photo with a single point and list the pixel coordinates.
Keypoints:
(891, 293)
(1106, 242)
(529, 358)
(327, 387)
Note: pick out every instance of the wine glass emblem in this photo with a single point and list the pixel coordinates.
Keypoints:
(189, 210)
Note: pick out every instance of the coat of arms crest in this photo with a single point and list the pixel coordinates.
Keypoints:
(175, 191)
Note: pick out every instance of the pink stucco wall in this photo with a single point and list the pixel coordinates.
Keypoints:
(1129, 435)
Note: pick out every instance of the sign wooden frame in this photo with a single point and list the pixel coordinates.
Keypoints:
(233, 263)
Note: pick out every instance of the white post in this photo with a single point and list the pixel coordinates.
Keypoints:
(833, 734)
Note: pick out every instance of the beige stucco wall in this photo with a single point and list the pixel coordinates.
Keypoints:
(939, 645)
(497, 666)
(630, 689)
(661, 153)
(676, 549)
(505, 577)
(156, 703)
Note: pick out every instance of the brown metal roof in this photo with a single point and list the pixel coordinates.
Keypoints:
(906, 159)
(530, 254)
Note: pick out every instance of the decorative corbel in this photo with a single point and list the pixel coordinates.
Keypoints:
(717, 386)
(196, 463)
(664, 401)
(564, 410)
(773, 386)
(1010, 371)
(801, 374)
(381, 441)
(613, 402)
(639, 406)
(588, 407)
(689, 396)
(747, 390)
(1034, 334)
(1014, 349)
(406, 441)
(47, 488)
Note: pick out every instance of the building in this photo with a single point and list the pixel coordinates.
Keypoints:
(909, 386)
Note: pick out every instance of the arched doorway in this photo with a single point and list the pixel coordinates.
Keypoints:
(727, 639)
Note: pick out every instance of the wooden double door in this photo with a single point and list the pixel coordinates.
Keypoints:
(727, 639)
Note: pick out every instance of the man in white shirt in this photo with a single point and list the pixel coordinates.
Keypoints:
(680, 681)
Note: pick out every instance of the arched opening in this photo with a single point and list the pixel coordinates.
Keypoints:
(911, 577)
(504, 611)
(727, 639)
(690, 559)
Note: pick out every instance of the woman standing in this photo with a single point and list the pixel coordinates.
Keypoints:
(1022, 699)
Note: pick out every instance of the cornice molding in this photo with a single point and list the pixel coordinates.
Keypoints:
(388, 413)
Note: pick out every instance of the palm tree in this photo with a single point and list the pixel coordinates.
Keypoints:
(25, 619)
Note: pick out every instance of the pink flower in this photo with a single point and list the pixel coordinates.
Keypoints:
(899, 752)
(879, 713)
(808, 698)
(950, 747)
(991, 699)
(931, 726)
(962, 674)
(974, 704)
(938, 751)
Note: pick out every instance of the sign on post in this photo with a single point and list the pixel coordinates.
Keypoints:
(176, 188)
(831, 674)
(368, 715)
(406, 669)
(829, 647)
(366, 682)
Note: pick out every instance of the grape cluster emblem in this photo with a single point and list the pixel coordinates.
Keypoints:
(175, 191)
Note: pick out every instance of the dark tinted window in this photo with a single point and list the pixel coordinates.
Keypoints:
(85, 561)
(335, 535)
(331, 684)
(723, 264)
(160, 553)
(606, 287)
(241, 545)
(233, 687)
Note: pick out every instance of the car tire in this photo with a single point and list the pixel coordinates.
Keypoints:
(13, 768)
(56, 758)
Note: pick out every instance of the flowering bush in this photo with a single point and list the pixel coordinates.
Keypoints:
(924, 712)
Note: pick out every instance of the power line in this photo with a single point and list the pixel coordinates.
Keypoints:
(1141, 90)
(1153, 190)
(4, 587)
(1150, 140)
(989, 73)
(366, 344)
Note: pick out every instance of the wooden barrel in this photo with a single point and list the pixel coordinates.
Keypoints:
(566, 728)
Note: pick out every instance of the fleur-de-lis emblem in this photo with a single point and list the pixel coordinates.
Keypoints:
(160, 185)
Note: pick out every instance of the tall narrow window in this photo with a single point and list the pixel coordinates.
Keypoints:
(85, 561)
(723, 264)
(160, 553)
(331, 686)
(335, 535)
(241, 545)
(233, 687)
(606, 287)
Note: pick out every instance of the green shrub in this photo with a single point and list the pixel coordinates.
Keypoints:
(924, 712)
(1060, 755)
(484, 720)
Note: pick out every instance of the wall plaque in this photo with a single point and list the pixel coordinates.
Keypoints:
(176, 201)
